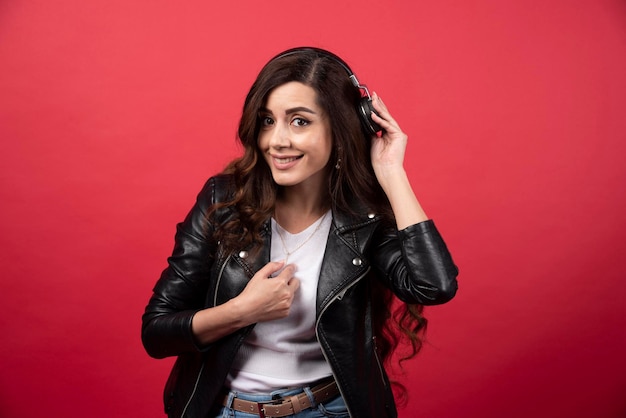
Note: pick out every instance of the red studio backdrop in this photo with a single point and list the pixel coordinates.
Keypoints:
(114, 113)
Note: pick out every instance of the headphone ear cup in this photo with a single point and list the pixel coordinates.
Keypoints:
(365, 112)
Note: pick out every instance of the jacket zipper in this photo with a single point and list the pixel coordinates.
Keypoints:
(195, 387)
(219, 279)
(378, 362)
(193, 392)
(338, 296)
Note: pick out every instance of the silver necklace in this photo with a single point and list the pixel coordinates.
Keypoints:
(282, 239)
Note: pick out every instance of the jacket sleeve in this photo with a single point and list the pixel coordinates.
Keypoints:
(416, 264)
(181, 290)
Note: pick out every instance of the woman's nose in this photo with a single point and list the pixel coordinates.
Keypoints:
(280, 136)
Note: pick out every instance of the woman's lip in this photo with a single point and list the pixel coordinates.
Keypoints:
(284, 162)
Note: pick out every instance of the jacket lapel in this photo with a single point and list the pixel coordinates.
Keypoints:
(243, 264)
(344, 259)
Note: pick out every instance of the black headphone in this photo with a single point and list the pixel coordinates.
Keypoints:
(365, 107)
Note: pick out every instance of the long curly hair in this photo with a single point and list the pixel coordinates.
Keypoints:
(256, 191)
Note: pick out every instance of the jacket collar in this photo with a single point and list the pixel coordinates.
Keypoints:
(344, 259)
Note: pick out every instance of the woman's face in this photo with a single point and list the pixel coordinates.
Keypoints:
(295, 136)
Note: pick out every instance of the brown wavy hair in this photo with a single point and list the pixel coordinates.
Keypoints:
(255, 190)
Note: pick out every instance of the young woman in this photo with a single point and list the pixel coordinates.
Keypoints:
(278, 294)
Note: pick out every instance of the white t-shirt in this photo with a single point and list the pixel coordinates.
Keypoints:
(285, 352)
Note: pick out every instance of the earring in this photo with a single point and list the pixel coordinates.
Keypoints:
(338, 165)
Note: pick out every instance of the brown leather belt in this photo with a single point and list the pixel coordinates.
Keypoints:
(285, 406)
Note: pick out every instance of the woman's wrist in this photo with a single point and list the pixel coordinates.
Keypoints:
(390, 176)
(406, 208)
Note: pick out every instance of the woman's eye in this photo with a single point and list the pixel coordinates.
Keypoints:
(300, 122)
(266, 121)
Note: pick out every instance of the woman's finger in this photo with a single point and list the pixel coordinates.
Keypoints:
(383, 112)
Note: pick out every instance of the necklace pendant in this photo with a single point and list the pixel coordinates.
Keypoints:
(284, 245)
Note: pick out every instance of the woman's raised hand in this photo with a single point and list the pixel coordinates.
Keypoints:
(263, 299)
(267, 297)
(387, 153)
(388, 149)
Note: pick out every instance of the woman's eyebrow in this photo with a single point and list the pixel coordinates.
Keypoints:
(300, 109)
(290, 111)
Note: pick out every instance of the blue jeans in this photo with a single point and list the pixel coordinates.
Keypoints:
(334, 408)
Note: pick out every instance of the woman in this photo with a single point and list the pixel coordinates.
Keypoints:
(277, 296)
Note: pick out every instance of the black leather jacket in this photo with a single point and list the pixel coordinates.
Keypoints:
(414, 263)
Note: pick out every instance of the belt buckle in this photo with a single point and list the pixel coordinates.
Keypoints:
(261, 410)
(261, 406)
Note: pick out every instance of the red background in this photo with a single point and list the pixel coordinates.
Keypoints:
(113, 114)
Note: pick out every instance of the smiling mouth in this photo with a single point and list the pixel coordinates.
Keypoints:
(286, 160)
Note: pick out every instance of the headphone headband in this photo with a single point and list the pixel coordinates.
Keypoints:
(327, 54)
